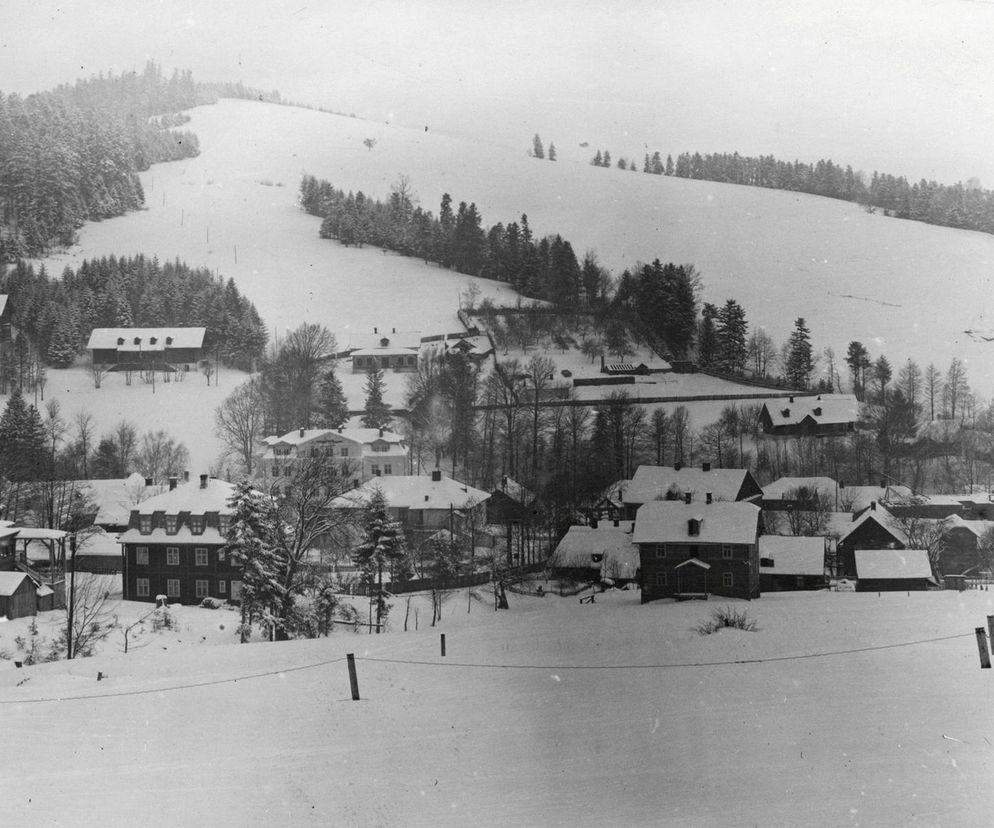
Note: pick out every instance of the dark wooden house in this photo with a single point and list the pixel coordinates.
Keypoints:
(702, 483)
(174, 546)
(823, 415)
(17, 595)
(135, 349)
(787, 562)
(895, 570)
(691, 549)
(875, 528)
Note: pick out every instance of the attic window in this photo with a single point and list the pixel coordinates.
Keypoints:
(817, 411)
(120, 340)
(384, 342)
(694, 527)
(169, 340)
(785, 412)
(152, 340)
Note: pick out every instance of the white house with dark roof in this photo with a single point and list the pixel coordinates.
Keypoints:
(364, 453)
(174, 545)
(695, 548)
(815, 416)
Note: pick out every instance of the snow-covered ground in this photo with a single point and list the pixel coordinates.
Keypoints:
(843, 709)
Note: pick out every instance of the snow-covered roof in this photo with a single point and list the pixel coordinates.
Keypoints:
(824, 409)
(164, 338)
(667, 521)
(190, 497)
(978, 527)
(581, 543)
(364, 436)
(516, 491)
(10, 581)
(615, 493)
(377, 342)
(653, 482)
(792, 555)
(859, 497)
(779, 489)
(881, 516)
(414, 492)
(116, 498)
(893, 563)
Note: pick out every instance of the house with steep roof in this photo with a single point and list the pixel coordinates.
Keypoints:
(394, 351)
(799, 492)
(896, 570)
(17, 595)
(603, 553)
(788, 562)
(136, 349)
(823, 415)
(174, 545)
(702, 482)
(362, 453)
(692, 549)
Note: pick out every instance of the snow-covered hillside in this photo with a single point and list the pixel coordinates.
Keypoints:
(843, 709)
(903, 288)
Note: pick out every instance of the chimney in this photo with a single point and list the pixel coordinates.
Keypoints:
(186, 476)
(791, 399)
(301, 432)
(687, 497)
(173, 480)
(708, 497)
(593, 523)
(393, 330)
(705, 467)
(381, 432)
(375, 330)
(436, 475)
(873, 505)
(426, 498)
(148, 482)
(203, 481)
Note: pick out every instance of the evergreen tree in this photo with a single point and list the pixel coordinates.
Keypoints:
(375, 413)
(22, 440)
(707, 338)
(858, 360)
(598, 160)
(382, 547)
(537, 149)
(333, 407)
(800, 359)
(731, 336)
(552, 151)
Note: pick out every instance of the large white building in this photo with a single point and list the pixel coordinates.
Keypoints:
(365, 452)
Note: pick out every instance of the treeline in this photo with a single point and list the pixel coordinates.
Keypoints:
(57, 315)
(964, 206)
(73, 154)
(660, 299)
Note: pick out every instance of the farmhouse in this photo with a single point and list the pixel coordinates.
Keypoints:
(692, 549)
(589, 553)
(387, 351)
(702, 483)
(900, 570)
(174, 545)
(787, 562)
(821, 416)
(135, 349)
(362, 453)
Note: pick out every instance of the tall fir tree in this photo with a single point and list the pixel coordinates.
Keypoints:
(731, 336)
(382, 547)
(333, 407)
(375, 413)
(800, 358)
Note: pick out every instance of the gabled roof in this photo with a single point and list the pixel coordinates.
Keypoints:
(10, 582)
(362, 436)
(581, 543)
(667, 521)
(653, 482)
(189, 497)
(893, 563)
(880, 516)
(414, 492)
(823, 409)
(375, 341)
(978, 527)
(792, 555)
(615, 493)
(115, 498)
(181, 338)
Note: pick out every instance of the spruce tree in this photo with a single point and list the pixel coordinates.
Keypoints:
(552, 151)
(382, 547)
(731, 336)
(375, 413)
(537, 149)
(800, 360)
(333, 407)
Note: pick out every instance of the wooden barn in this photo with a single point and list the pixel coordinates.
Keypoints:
(893, 570)
(134, 349)
(17, 595)
(787, 562)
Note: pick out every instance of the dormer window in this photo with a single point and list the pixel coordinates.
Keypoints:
(197, 524)
(223, 524)
(152, 340)
(145, 524)
(694, 527)
(138, 340)
(120, 340)
(172, 524)
(817, 411)
(785, 412)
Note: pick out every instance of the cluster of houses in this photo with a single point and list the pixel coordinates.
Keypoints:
(682, 532)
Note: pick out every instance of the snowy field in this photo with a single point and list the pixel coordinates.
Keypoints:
(843, 709)
(903, 288)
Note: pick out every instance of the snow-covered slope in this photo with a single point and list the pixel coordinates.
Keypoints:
(553, 713)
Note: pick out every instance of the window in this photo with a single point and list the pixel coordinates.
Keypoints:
(172, 555)
(276, 470)
(200, 556)
(197, 524)
(661, 579)
(220, 555)
(387, 468)
(145, 524)
(726, 550)
(141, 587)
(375, 470)
(172, 522)
(223, 524)
(172, 587)
(344, 451)
(141, 555)
(222, 587)
(201, 589)
(727, 579)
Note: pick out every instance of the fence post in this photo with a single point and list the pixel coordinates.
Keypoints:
(354, 679)
(443, 645)
(985, 659)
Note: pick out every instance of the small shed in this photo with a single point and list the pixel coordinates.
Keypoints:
(895, 570)
(17, 595)
(589, 553)
(788, 563)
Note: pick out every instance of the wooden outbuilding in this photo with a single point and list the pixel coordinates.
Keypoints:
(17, 595)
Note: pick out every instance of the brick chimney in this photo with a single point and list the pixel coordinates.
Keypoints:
(173, 480)
(203, 481)
(688, 497)
(436, 475)
(149, 482)
(301, 432)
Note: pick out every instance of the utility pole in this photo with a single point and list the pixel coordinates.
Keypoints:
(72, 592)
